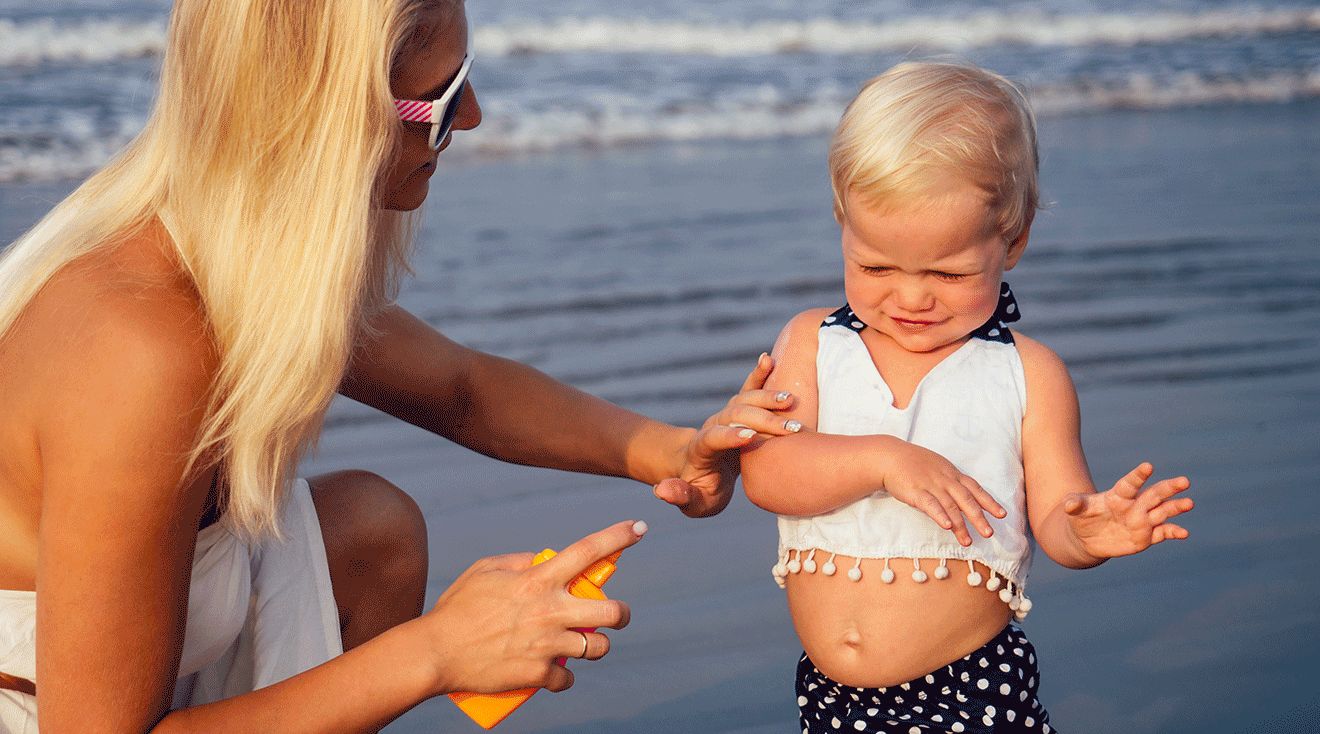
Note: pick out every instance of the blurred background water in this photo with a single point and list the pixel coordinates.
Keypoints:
(77, 74)
(647, 203)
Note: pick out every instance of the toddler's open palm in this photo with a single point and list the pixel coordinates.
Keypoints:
(1128, 519)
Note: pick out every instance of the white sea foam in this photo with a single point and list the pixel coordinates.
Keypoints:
(827, 35)
(1146, 92)
(752, 113)
(761, 116)
(88, 41)
(93, 40)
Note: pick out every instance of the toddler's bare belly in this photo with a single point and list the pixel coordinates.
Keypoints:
(871, 634)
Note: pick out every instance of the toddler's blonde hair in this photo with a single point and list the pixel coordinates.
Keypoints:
(916, 127)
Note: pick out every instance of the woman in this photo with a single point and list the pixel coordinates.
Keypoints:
(170, 338)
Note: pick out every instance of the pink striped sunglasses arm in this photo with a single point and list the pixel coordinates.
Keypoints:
(413, 110)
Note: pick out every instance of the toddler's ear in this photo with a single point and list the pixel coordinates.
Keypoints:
(1016, 248)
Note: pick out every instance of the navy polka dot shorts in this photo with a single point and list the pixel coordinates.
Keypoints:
(991, 691)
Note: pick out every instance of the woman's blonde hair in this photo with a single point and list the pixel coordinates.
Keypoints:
(920, 124)
(263, 157)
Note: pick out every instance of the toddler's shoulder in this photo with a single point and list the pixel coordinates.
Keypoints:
(798, 341)
(810, 320)
(1036, 355)
(1045, 372)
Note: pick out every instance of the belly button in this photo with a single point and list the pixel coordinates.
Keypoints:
(852, 638)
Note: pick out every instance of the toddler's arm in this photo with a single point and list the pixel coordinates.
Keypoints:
(810, 473)
(1074, 525)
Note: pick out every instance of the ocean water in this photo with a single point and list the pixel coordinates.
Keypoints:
(76, 75)
(646, 204)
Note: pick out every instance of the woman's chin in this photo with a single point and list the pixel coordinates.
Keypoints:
(409, 196)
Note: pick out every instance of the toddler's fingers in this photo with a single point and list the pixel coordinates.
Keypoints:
(974, 502)
(1169, 487)
(1074, 504)
(1130, 485)
(962, 507)
(954, 512)
(1159, 495)
(1172, 508)
(934, 508)
(985, 500)
(1168, 531)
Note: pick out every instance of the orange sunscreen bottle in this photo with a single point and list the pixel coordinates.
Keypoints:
(490, 709)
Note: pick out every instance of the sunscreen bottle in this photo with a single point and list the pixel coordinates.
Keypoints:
(489, 709)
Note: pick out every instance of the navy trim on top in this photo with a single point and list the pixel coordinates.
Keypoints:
(994, 330)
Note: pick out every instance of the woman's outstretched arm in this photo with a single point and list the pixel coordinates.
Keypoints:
(512, 412)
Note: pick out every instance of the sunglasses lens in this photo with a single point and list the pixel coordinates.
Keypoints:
(451, 111)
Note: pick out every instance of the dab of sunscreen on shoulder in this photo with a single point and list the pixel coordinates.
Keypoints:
(489, 709)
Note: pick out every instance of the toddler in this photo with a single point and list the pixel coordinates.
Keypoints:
(922, 413)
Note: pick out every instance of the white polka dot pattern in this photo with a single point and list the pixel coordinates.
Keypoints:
(992, 690)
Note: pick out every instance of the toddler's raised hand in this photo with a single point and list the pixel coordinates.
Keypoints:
(931, 483)
(1128, 519)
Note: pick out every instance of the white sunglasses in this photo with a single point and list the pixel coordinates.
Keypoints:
(441, 111)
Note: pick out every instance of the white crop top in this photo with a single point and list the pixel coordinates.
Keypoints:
(968, 409)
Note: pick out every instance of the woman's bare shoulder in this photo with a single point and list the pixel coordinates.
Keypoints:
(124, 316)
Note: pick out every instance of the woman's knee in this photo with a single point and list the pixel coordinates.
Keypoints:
(375, 535)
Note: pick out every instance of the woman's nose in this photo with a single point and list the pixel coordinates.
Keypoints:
(468, 115)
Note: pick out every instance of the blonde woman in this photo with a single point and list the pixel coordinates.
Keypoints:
(170, 338)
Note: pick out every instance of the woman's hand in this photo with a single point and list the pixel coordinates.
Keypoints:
(931, 483)
(710, 461)
(1128, 519)
(503, 624)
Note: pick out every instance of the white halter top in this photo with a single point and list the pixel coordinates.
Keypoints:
(968, 409)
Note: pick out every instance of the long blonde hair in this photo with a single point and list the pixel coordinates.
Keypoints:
(262, 158)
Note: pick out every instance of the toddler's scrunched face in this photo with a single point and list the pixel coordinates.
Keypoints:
(925, 274)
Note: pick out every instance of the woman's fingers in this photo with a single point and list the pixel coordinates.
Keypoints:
(559, 679)
(760, 419)
(756, 380)
(767, 399)
(507, 562)
(674, 491)
(585, 644)
(579, 556)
